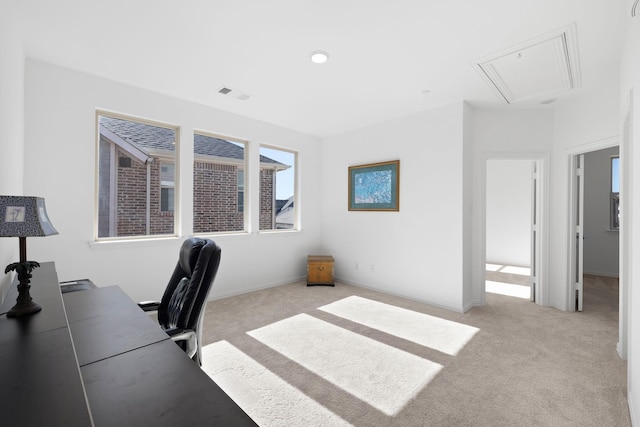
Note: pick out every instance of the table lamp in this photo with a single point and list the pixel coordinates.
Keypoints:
(22, 217)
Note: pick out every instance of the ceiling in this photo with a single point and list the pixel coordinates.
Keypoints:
(387, 58)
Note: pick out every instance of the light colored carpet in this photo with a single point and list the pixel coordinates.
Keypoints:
(267, 398)
(430, 331)
(525, 365)
(382, 375)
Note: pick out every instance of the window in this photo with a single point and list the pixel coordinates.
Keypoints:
(615, 194)
(136, 177)
(218, 184)
(167, 186)
(240, 191)
(277, 189)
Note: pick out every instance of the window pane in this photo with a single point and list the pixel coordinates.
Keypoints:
(167, 184)
(130, 187)
(277, 189)
(167, 174)
(615, 194)
(615, 174)
(166, 200)
(240, 191)
(218, 181)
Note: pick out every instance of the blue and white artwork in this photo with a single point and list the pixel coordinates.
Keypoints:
(373, 187)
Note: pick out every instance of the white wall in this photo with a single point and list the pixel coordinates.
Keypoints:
(600, 243)
(504, 134)
(630, 155)
(467, 208)
(582, 124)
(418, 251)
(60, 146)
(11, 122)
(508, 211)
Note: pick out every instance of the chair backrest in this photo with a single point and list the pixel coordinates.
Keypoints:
(185, 297)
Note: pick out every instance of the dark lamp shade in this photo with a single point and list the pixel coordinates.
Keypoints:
(23, 216)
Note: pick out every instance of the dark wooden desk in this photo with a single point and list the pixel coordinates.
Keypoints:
(40, 382)
(132, 373)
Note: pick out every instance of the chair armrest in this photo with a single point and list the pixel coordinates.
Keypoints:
(149, 305)
(187, 335)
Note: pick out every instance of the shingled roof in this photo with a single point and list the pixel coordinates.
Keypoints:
(148, 137)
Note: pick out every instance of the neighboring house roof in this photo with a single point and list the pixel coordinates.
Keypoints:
(284, 213)
(143, 136)
(149, 138)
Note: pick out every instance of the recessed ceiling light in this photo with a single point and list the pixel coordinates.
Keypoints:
(319, 57)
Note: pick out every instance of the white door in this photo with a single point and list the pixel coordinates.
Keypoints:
(579, 230)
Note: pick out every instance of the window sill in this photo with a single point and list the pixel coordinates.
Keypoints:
(280, 232)
(134, 242)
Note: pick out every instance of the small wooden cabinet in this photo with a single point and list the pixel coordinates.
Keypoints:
(320, 270)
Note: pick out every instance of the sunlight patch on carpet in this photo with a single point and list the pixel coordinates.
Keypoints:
(385, 377)
(264, 396)
(525, 271)
(493, 267)
(507, 289)
(439, 334)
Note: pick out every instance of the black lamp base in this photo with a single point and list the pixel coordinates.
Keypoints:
(24, 308)
(24, 302)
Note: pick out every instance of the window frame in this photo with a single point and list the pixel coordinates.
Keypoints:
(153, 155)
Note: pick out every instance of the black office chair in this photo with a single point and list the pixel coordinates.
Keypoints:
(181, 310)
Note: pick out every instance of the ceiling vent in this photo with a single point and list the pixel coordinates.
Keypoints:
(542, 66)
(235, 93)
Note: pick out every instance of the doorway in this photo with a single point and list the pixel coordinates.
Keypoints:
(594, 251)
(513, 226)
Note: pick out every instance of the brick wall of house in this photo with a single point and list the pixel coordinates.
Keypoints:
(215, 198)
(267, 200)
(161, 222)
(132, 199)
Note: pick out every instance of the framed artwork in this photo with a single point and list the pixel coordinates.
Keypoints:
(375, 187)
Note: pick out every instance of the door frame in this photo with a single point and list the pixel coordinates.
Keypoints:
(541, 159)
(576, 225)
(572, 155)
(626, 187)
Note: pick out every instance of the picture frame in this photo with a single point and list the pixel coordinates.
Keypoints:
(375, 187)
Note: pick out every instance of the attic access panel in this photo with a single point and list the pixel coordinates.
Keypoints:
(548, 64)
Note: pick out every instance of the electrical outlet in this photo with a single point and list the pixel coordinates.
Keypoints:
(371, 269)
(357, 266)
